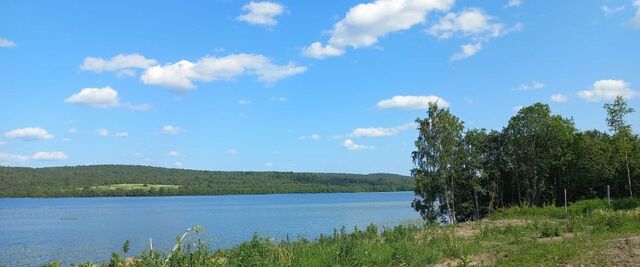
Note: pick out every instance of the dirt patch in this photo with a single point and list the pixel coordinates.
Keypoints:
(623, 252)
(475, 260)
(552, 239)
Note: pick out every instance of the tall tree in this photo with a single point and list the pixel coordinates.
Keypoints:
(438, 166)
(538, 145)
(623, 137)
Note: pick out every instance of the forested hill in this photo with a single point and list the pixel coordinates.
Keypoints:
(129, 180)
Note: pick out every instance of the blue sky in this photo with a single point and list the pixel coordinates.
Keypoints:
(329, 86)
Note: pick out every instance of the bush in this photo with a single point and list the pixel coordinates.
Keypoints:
(548, 229)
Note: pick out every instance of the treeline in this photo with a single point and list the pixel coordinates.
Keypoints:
(83, 181)
(464, 174)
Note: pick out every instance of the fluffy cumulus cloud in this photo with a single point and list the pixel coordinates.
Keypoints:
(124, 65)
(635, 21)
(350, 145)
(364, 24)
(172, 153)
(182, 74)
(261, 13)
(29, 134)
(535, 85)
(6, 43)
(381, 131)
(604, 90)
(105, 97)
(412, 102)
(559, 98)
(471, 23)
(49, 156)
(170, 129)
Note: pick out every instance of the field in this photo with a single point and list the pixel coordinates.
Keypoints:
(133, 187)
(592, 232)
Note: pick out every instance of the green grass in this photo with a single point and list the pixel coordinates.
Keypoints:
(518, 236)
(133, 186)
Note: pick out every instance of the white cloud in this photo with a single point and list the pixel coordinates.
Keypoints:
(232, 152)
(123, 64)
(517, 108)
(6, 43)
(105, 97)
(374, 132)
(2, 143)
(535, 85)
(472, 23)
(278, 98)
(514, 3)
(138, 107)
(269, 164)
(49, 156)
(559, 98)
(122, 134)
(313, 137)
(177, 164)
(261, 13)
(319, 51)
(72, 131)
(607, 90)
(29, 133)
(182, 74)
(412, 102)
(244, 102)
(170, 129)
(467, 51)
(635, 21)
(350, 145)
(380, 131)
(364, 24)
(172, 153)
(102, 132)
(12, 158)
(611, 10)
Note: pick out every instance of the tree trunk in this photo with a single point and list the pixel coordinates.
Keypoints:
(626, 160)
(475, 194)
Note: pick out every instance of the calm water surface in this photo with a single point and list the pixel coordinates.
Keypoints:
(72, 230)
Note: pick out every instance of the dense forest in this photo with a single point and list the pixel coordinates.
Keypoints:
(89, 181)
(464, 174)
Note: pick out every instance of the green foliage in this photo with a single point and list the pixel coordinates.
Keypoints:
(126, 180)
(548, 229)
(466, 175)
(125, 246)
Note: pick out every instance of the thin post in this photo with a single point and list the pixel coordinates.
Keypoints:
(150, 244)
(565, 202)
(608, 195)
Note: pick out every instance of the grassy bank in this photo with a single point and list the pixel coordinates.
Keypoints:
(592, 232)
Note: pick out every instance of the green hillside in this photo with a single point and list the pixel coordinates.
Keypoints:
(128, 180)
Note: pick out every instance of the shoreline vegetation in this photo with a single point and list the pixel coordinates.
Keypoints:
(591, 232)
(134, 180)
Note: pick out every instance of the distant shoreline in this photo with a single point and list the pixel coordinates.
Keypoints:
(137, 181)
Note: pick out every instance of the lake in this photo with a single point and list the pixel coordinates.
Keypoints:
(73, 230)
